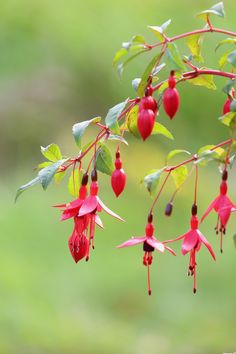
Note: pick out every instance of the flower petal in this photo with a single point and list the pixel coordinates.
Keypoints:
(207, 244)
(190, 241)
(108, 211)
(98, 221)
(67, 214)
(170, 250)
(213, 205)
(224, 215)
(89, 205)
(152, 241)
(132, 241)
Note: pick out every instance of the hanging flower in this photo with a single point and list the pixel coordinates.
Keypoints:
(150, 243)
(192, 242)
(223, 207)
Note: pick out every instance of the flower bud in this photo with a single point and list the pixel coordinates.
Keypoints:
(226, 107)
(224, 175)
(148, 102)
(169, 208)
(171, 101)
(118, 181)
(146, 120)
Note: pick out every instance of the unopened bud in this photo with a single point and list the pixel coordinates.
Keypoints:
(169, 208)
(194, 209)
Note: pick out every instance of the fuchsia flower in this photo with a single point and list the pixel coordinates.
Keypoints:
(192, 243)
(84, 211)
(223, 206)
(150, 243)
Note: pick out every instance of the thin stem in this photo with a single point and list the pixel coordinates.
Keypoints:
(159, 193)
(196, 185)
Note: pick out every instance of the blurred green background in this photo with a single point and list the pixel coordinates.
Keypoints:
(55, 70)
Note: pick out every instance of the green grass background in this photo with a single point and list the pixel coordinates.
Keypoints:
(55, 70)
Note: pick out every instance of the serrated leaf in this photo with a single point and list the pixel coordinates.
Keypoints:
(132, 119)
(146, 74)
(47, 173)
(179, 175)
(113, 114)
(24, 187)
(217, 9)
(79, 129)
(104, 162)
(225, 41)
(205, 81)
(175, 152)
(52, 152)
(74, 182)
(161, 129)
(232, 58)
(173, 58)
(117, 137)
(194, 43)
(151, 181)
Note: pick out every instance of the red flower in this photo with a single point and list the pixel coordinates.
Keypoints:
(78, 242)
(192, 243)
(223, 206)
(150, 243)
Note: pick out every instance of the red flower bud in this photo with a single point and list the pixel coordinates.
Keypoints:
(148, 102)
(118, 178)
(226, 107)
(171, 101)
(78, 246)
(146, 120)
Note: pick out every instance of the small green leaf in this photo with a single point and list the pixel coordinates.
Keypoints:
(74, 182)
(161, 129)
(228, 118)
(225, 41)
(228, 87)
(26, 186)
(104, 161)
(206, 154)
(158, 31)
(113, 115)
(52, 152)
(204, 80)
(158, 68)
(47, 173)
(42, 165)
(120, 67)
(59, 176)
(217, 9)
(223, 59)
(173, 58)
(232, 58)
(122, 52)
(176, 152)
(132, 119)
(117, 137)
(147, 74)
(179, 175)
(194, 43)
(135, 83)
(233, 106)
(151, 181)
(79, 129)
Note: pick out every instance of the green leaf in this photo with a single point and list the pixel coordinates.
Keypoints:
(120, 67)
(206, 154)
(42, 165)
(223, 59)
(147, 74)
(158, 31)
(113, 115)
(59, 176)
(52, 152)
(158, 68)
(79, 129)
(228, 87)
(173, 58)
(117, 137)
(233, 106)
(161, 129)
(132, 119)
(204, 80)
(194, 43)
(104, 161)
(74, 182)
(122, 52)
(225, 41)
(26, 186)
(176, 152)
(179, 175)
(228, 119)
(151, 181)
(135, 83)
(234, 239)
(47, 173)
(232, 58)
(217, 9)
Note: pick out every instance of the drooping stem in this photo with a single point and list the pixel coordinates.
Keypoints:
(196, 185)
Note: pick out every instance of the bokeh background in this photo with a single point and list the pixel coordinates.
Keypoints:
(55, 70)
